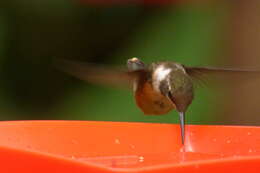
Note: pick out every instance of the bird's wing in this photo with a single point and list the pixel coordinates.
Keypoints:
(98, 74)
(208, 73)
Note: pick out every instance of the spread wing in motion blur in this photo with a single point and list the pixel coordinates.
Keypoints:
(119, 77)
(204, 74)
(98, 74)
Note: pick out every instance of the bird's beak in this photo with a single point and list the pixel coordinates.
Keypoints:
(182, 125)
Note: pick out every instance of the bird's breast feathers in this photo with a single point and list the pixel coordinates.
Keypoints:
(152, 102)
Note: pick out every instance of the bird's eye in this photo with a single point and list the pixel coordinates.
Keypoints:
(135, 64)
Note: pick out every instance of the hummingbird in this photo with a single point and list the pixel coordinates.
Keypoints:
(158, 88)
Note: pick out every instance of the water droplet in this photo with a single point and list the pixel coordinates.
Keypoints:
(72, 157)
(197, 166)
(182, 149)
(214, 140)
(228, 141)
(141, 158)
(117, 141)
(235, 155)
(74, 141)
(250, 150)
(49, 129)
(29, 146)
(249, 133)
(132, 146)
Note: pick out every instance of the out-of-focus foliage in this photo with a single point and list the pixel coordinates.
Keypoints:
(34, 32)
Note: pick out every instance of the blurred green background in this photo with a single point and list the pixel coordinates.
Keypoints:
(34, 32)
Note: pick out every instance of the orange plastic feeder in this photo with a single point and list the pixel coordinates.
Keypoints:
(97, 147)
